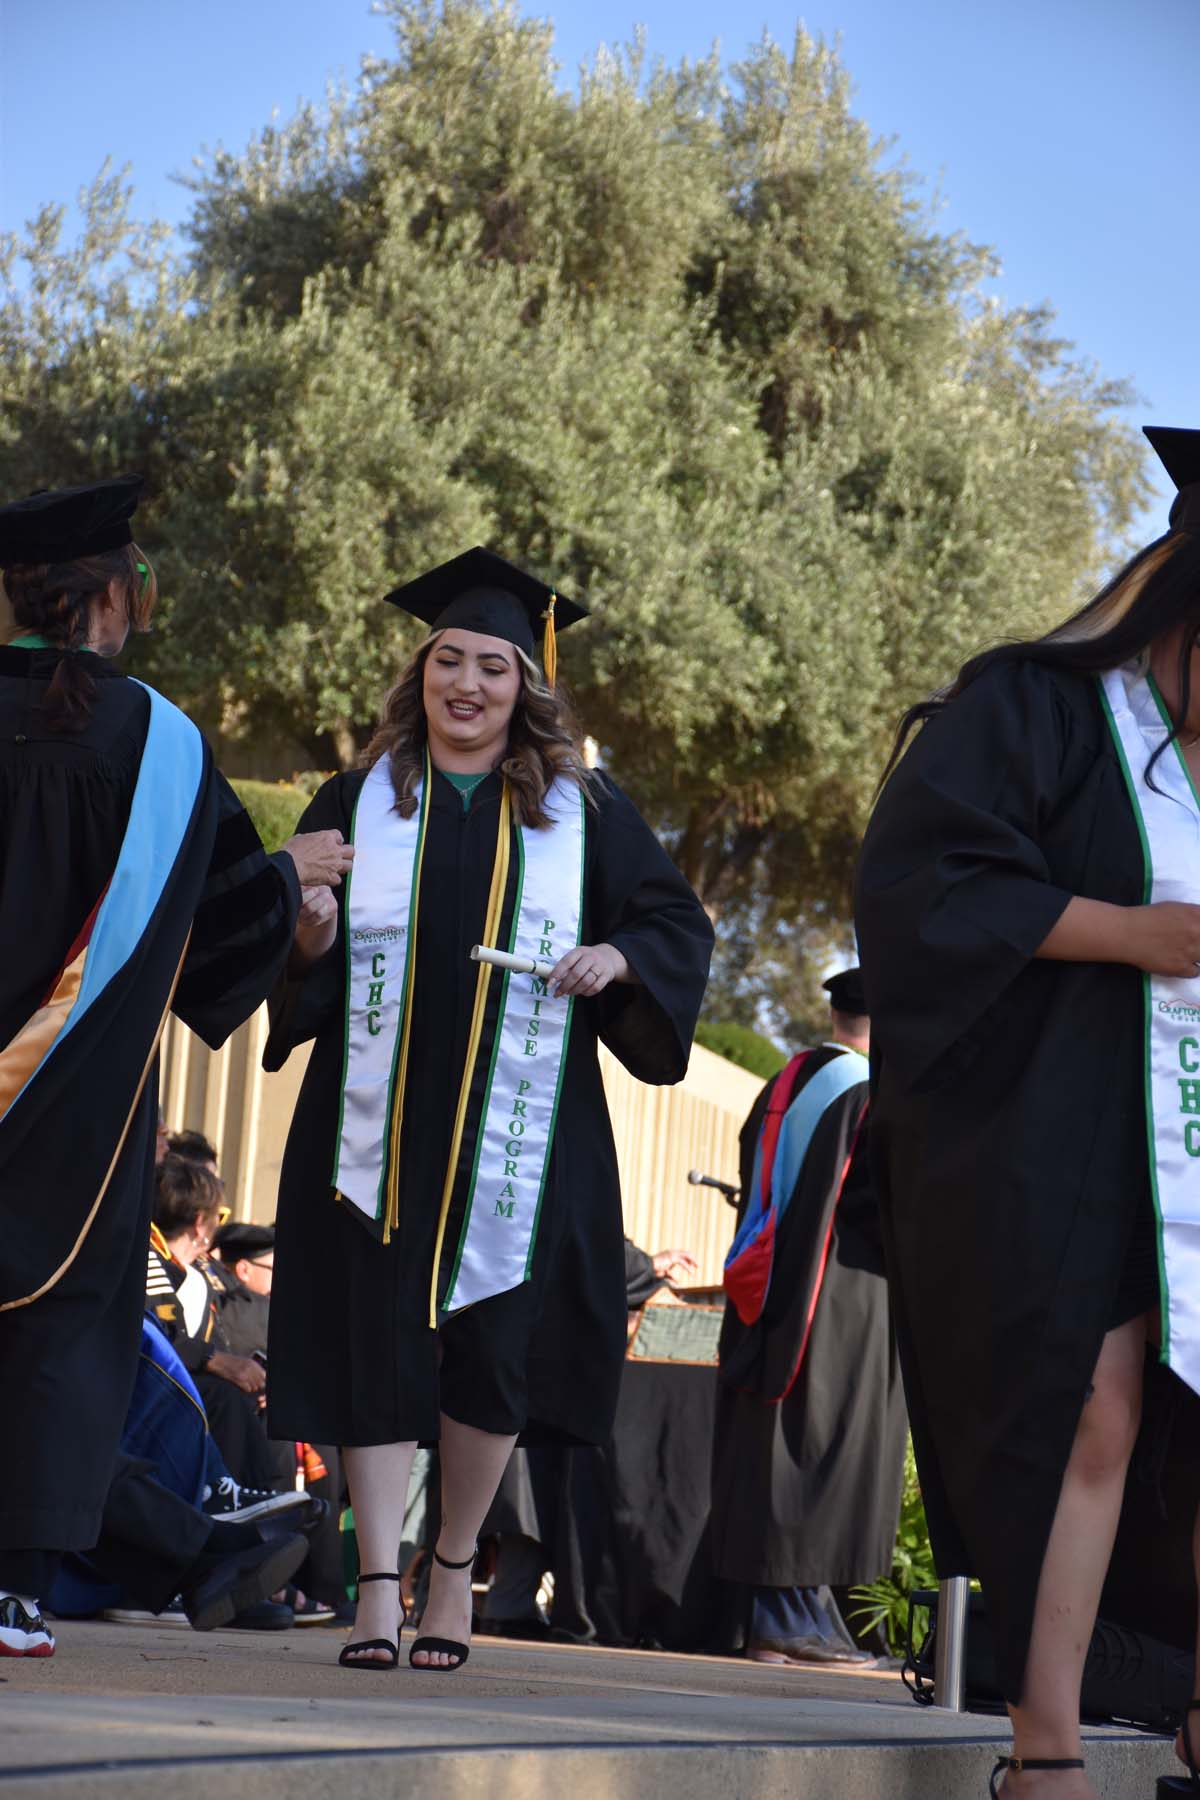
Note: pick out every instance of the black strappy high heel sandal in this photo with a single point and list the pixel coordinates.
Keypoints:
(447, 1646)
(1189, 1783)
(1018, 1764)
(348, 1660)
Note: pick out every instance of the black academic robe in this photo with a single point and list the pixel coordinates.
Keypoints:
(223, 927)
(808, 1449)
(352, 1357)
(1008, 1133)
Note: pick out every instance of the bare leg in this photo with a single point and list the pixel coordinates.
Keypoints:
(1046, 1724)
(472, 1463)
(377, 1475)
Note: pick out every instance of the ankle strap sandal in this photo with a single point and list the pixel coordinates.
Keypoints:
(1169, 1785)
(433, 1646)
(1018, 1765)
(349, 1660)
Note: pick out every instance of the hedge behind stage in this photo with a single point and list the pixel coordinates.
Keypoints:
(274, 806)
(740, 1044)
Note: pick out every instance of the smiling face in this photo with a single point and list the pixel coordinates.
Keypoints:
(471, 685)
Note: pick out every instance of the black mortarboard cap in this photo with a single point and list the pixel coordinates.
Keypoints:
(480, 591)
(847, 993)
(239, 1238)
(60, 524)
(1178, 450)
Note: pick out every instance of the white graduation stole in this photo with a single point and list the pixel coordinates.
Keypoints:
(507, 1142)
(1169, 822)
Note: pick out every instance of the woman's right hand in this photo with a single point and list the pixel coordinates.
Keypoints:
(321, 857)
(1164, 939)
(316, 929)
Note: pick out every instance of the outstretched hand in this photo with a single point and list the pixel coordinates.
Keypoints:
(321, 857)
(666, 1260)
(587, 971)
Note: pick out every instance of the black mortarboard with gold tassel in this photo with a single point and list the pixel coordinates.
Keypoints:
(482, 592)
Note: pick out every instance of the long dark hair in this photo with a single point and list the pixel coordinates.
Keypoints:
(1153, 595)
(53, 598)
(544, 739)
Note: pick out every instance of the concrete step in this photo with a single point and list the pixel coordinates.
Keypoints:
(139, 1711)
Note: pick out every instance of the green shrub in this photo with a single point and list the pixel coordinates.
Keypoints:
(750, 1049)
(885, 1602)
(274, 807)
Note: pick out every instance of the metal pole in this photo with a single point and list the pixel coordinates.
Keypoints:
(950, 1661)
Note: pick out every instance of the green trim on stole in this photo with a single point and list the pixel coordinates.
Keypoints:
(1147, 1024)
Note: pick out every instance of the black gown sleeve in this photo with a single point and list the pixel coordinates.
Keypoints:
(641, 904)
(954, 895)
(640, 1280)
(300, 1007)
(243, 926)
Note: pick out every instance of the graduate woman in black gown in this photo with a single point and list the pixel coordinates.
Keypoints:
(1029, 920)
(131, 883)
(449, 1255)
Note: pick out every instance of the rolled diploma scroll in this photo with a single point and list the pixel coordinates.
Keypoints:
(520, 965)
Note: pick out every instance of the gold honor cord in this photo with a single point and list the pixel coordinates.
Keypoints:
(391, 1211)
(495, 910)
(28, 1299)
(550, 645)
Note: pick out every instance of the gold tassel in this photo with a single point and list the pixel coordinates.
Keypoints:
(550, 645)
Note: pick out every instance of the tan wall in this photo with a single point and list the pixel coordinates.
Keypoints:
(661, 1133)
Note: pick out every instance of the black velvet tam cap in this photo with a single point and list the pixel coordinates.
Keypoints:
(480, 591)
(58, 525)
(1178, 450)
(846, 993)
(239, 1239)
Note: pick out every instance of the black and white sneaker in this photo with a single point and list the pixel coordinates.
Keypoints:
(22, 1632)
(233, 1504)
(141, 1615)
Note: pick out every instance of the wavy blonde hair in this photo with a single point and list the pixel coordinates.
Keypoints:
(544, 739)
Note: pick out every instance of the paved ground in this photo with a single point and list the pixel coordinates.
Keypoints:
(125, 1710)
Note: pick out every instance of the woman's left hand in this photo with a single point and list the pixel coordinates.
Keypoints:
(588, 970)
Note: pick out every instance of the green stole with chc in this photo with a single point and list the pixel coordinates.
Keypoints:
(1168, 816)
(512, 1080)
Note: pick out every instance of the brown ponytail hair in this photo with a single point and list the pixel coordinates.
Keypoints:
(1155, 594)
(53, 600)
(544, 740)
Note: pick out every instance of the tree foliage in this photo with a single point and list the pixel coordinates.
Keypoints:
(275, 808)
(741, 1044)
(685, 339)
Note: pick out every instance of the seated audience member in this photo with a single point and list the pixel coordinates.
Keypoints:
(243, 1261)
(160, 1556)
(193, 1146)
(182, 1298)
(164, 1552)
(244, 1256)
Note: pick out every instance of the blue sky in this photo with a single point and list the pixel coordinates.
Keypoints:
(1064, 133)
